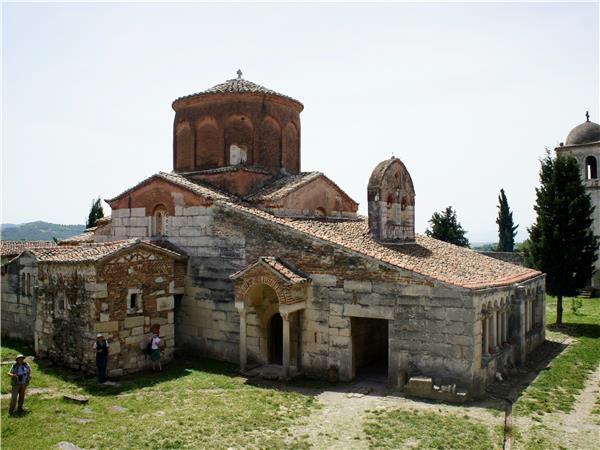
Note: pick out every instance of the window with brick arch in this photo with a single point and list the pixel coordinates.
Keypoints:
(159, 221)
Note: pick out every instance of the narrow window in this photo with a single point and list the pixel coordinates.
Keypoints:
(28, 284)
(591, 168)
(23, 285)
(133, 301)
(159, 221)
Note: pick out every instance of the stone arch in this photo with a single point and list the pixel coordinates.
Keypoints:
(269, 152)
(184, 146)
(320, 212)
(209, 153)
(591, 167)
(290, 154)
(239, 138)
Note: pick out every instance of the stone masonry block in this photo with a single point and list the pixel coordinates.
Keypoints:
(123, 212)
(105, 327)
(358, 286)
(165, 303)
(319, 279)
(135, 321)
(138, 212)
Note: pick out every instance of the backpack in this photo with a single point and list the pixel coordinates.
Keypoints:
(148, 349)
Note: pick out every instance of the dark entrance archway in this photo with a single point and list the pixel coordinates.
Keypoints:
(276, 339)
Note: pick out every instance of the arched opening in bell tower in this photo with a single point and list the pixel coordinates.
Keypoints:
(591, 168)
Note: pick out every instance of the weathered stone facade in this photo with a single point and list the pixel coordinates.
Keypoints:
(282, 271)
(78, 292)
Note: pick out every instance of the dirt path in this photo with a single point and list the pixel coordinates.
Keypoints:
(580, 426)
(578, 429)
(338, 423)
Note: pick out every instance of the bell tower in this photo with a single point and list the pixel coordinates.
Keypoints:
(391, 200)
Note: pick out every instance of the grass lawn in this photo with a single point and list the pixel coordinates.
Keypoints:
(193, 404)
(556, 388)
(408, 428)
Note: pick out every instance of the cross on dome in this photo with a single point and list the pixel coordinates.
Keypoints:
(239, 73)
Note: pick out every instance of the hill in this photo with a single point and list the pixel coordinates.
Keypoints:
(38, 231)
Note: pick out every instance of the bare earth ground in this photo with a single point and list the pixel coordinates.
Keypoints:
(338, 424)
(578, 429)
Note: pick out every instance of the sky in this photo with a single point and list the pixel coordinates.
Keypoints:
(467, 95)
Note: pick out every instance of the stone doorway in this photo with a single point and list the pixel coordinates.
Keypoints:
(276, 339)
(370, 348)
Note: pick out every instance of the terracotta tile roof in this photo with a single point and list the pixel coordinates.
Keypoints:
(85, 237)
(179, 180)
(281, 187)
(285, 270)
(13, 248)
(429, 257)
(92, 252)
(239, 86)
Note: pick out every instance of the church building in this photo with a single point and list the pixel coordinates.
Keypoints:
(583, 143)
(265, 265)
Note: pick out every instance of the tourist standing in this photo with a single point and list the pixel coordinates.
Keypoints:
(155, 352)
(20, 376)
(101, 349)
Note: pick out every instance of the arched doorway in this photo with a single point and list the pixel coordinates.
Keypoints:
(276, 339)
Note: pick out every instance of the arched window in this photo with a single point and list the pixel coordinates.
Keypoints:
(320, 212)
(28, 284)
(23, 284)
(159, 221)
(591, 168)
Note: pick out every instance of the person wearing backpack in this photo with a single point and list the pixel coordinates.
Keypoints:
(155, 352)
(20, 376)
(101, 349)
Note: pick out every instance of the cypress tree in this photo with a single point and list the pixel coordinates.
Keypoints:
(445, 227)
(562, 243)
(96, 212)
(506, 228)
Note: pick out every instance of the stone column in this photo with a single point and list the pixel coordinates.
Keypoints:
(486, 336)
(243, 348)
(493, 331)
(499, 328)
(286, 345)
(504, 326)
(240, 306)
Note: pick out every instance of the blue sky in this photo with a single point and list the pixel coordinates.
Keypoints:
(468, 95)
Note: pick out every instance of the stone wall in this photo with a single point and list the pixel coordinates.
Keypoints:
(434, 330)
(64, 319)
(148, 276)
(18, 305)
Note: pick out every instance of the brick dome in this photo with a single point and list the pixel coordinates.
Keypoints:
(237, 124)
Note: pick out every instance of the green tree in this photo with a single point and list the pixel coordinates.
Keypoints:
(445, 227)
(96, 212)
(561, 241)
(506, 228)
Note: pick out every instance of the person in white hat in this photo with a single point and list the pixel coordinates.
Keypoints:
(20, 376)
